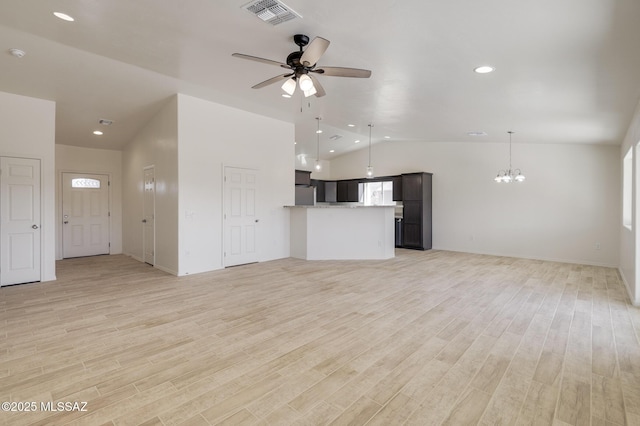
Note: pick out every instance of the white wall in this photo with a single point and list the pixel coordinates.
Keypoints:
(569, 203)
(303, 162)
(630, 239)
(212, 136)
(27, 129)
(75, 159)
(157, 145)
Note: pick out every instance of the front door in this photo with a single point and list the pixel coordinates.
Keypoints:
(20, 220)
(85, 214)
(148, 216)
(240, 221)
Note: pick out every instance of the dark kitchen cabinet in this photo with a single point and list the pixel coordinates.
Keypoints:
(303, 177)
(348, 191)
(325, 190)
(320, 187)
(397, 188)
(330, 191)
(416, 222)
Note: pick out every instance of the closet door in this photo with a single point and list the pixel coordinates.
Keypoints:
(20, 220)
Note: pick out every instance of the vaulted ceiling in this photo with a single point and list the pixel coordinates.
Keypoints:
(565, 71)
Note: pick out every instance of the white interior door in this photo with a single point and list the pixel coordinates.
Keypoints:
(148, 213)
(19, 220)
(85, 214)
(240, 221)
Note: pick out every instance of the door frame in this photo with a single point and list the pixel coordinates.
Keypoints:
(60, 208)
(224, 206)
(41, 160)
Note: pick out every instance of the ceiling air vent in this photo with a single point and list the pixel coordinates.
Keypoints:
(335, 137)
(271, 11)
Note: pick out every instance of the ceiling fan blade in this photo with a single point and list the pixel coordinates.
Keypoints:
(314, 51)
(271, 81)
(343, 72)
(263, 60)
(319, 89)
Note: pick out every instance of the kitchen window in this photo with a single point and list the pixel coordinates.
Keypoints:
(377, 193)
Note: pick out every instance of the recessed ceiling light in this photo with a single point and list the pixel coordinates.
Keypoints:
(477, 133)
(295, 143)
(358, 141)
(332, 150)
(63, 16)
(484, 69)
(97, 133)
(387, 137)
(351, 125)
(318, 131)
(285, 95)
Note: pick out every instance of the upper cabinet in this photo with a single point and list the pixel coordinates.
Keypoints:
(303, 177)
(397, 188)
(413, 187)
(348, 191)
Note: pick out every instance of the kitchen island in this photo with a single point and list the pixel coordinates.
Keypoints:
(341, 232)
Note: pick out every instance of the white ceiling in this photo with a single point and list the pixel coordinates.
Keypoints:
(566, 71)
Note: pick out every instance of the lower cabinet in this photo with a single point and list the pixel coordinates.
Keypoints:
(416, 230)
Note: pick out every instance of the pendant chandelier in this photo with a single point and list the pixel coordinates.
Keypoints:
(509, 175)
(318, 165)
(369, 168)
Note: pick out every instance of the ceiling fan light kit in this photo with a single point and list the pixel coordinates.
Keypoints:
(301, 64)
(305, 82)
(289, 86)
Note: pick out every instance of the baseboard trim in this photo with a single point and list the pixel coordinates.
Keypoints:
(167, 270)
(139, 259)
(545, 259)
(633, 301)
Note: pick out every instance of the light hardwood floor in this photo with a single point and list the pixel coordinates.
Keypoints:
(425, 338)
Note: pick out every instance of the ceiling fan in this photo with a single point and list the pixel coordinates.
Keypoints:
(302, 65)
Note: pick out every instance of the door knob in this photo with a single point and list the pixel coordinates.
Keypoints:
(144, 220)
(257, 220)
(65, 222)
(35, 226)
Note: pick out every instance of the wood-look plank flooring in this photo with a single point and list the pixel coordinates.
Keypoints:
(425, 338)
